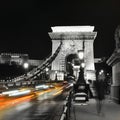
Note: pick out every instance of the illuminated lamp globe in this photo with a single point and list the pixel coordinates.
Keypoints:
(26, 65)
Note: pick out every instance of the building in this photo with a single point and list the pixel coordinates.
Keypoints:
(18, 59)
(13, 58)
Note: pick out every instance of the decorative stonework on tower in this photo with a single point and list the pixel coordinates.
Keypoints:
(73, 38)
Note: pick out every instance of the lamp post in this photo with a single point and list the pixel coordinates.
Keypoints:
(101, 75)
(26, 66)
(80, 86)
(56, 76)
(81, 69)
(46, 73)
(81, 54)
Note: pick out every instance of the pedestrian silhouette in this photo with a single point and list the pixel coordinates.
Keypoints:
(100, 92)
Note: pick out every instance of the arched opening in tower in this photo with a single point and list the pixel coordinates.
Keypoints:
(71, 60)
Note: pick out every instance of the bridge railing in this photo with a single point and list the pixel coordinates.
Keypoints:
(67, 108)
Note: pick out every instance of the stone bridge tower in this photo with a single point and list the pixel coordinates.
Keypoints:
(73, 38)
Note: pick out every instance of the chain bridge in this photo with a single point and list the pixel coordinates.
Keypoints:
(66, 42)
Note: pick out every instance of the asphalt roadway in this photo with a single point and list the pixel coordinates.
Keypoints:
(41, 108)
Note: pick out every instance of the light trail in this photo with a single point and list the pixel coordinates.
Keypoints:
(7, 102)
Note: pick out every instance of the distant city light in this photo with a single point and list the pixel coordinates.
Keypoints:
(73, 28)
(101, 71)
(13, 56)
(108, 74)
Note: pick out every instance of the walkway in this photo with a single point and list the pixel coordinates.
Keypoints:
(110, 111)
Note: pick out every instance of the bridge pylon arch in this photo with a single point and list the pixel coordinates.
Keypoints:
(74, 38)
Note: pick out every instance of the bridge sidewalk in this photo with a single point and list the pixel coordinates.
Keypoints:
(110, 111)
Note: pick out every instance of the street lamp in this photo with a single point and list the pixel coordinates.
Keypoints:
(46, 73)
(56, 76)
(47, 69)
(101, 75)
(26, 66)
(80, 88)
(81, 54)
(82, 65)
(101, 72)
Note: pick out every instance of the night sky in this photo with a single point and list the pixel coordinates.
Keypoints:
(24, 25)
